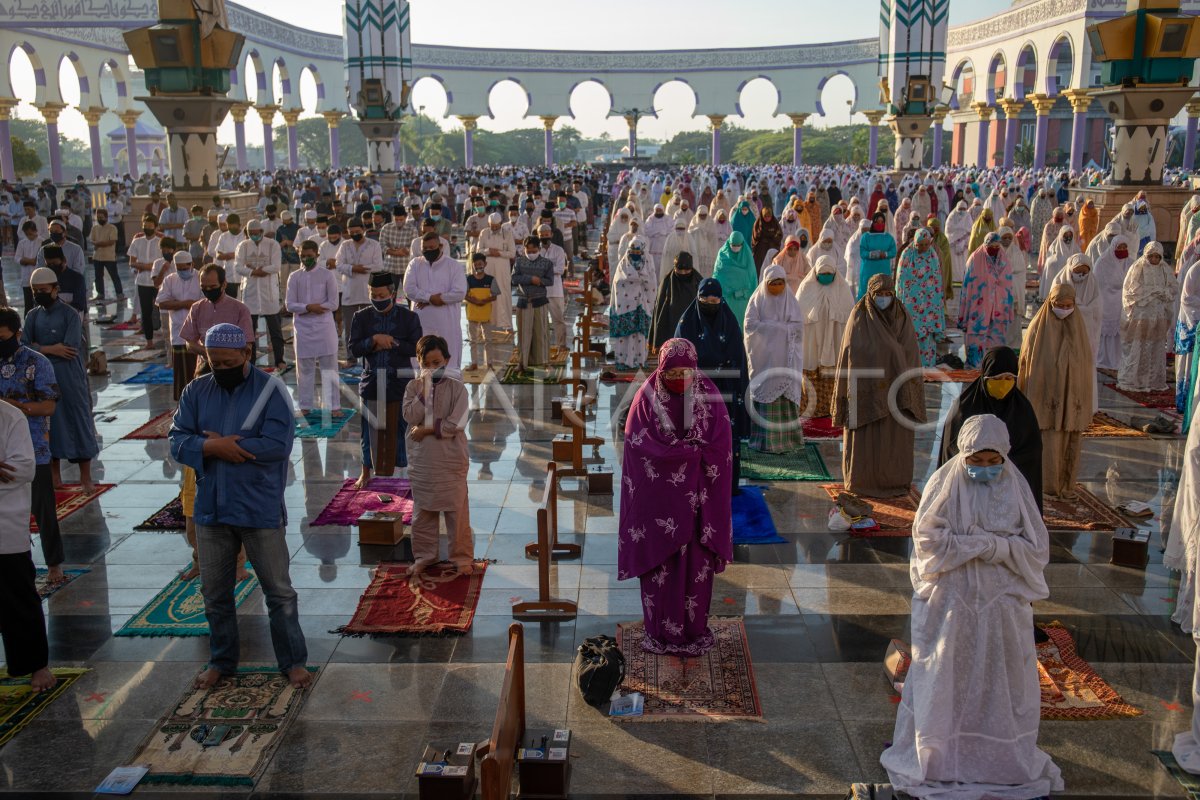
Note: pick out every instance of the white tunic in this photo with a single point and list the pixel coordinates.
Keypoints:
(315, 334)
(356, 286)
(259, 293)
(444, 277)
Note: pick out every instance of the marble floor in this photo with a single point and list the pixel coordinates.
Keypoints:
(820, 610)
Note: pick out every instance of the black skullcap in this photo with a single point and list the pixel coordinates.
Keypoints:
(381, 279)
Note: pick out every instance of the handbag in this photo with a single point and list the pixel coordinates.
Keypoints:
(599, 669)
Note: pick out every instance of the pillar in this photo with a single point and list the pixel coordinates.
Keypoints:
(716, 120)
(238, 112)
(8, 170)
(985, 115)
(1189, 144)
(267, 114)
(873, 119)
(548, 124)
(939, 119)
(798, 138)
(1012, 129)
(290, 117)
(631, 120)
(381, 138)
(1080, 100)
(93, 115)
(50, 112)
(333, 119)
(469, 122)
(1042, 104)
(129, 120)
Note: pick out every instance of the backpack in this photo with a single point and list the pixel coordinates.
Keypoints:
(599, 669)
(97, 363)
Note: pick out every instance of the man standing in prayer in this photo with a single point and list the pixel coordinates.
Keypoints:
(312, 298)
(555, 291)
(497, 244)
(235, 428)
(180, 291)
(217, 307)
(436, 284)
(258, 261)
(357, 258)
(532, 274)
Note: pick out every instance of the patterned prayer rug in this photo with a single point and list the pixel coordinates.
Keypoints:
(45, 588)
(70, 498)
(155, 374)
(258, 704)
(718, 685)
(319, 425)
(1085, 513)
(1071, 689)
(1190, 782)
(1163, 399)
(805, 464)
(141, 355)
(1104, 426)
(551, 375)
(821, 428)
(351, 376)
(439, 602)
(349, 503)
(178, 610)
(168, 518)
(895, 515)
(20, 705)
(939, 375)
(752, 521)
(156, 428)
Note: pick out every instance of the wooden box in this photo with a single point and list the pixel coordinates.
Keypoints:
(556, 406)
(1130, 547)
(560, 449)
(544, 764)
(600, 480)
(896, 662)
(380, 527)
(447, 773)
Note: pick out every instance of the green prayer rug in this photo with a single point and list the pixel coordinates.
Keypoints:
(1190, 782)
(178, 610)
(533, 376)
(319, 424)
(20, 705)
(805, 464)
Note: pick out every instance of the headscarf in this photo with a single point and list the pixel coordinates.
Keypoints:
(736, 274)
(1149, 288)
(878, 341)
(985, 224)
(675, 294)
(720, 347)
(743, 223)
(794, 262)
(774, 341)
(675, 482)
(1088, 300)
(1057, 370)
(825, 309)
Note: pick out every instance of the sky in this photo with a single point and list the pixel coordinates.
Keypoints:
(676, 24)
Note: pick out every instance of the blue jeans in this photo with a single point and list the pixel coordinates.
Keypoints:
(401, 452)
(265, 547)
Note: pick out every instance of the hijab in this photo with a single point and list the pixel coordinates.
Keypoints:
(774, 341)
(719, 346)
(825, 309)
(675, 294)
(1057, 369)
(736, 274)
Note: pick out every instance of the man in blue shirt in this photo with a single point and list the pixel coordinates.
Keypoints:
(235, 427)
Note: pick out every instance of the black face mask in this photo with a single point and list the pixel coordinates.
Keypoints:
(56, 236)
(546, 240)
(438, 374)
(213, 295)
(431, 255)
(230, 378)
(709, 309)
(358, 237)
(9, 346)
(43, 299)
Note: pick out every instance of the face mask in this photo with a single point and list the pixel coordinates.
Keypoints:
(431, 255)
(229, 378)
(308, 263)
(382, 305)
(876, 227)
(825, 278)
(999, 388)
(43, 299)
(775, 291)
(213, 295)
(148, 231)
(709, 309)
(185, 274)
(635, 259)
(993, 250)
(437, 375)
(256, 237)
(546, 241)
(1079, 277)
(737, 248)
(883, 302)
(9, 346)
(677, 385)
(984, 474)
(564, 205)
(1061, 313)
(168, 255)
(56, 236)
(1121, 252)
(658, 214)
(531, 254)
(435, 217)
(235, 231)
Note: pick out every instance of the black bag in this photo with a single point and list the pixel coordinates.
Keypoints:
(599, 669)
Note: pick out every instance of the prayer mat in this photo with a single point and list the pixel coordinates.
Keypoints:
(551, 375)
(271, 370)
(752, 521)
(475, 376)
(20, 705)
(178, 610)
(620, 376)
(349, 503)
(155, 374)
(168, 518)
(437, 603)
(318, 424)
(1085, 513)
(156, 428)
(718, 685)
(70, 498)
(351, 376)
(821, 428)
(895, 515)
(140, 355)
(1071, 689)
(45, 588)
(126, 326)
(1104, 426)
(1162, 399)
(257, 703)
(1190, 782)
(937, 375)
(805, 464)
(502, 337)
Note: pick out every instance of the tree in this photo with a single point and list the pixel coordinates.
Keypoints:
(25, 160)
(76, 155)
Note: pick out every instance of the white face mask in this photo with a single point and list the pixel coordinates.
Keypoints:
(1079, 277)
(1062, 313)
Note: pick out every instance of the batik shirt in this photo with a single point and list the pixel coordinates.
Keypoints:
(28, 377)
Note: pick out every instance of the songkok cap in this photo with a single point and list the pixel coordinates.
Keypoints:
(52, 251)
(43, 275)
(183, 257)
(225, 335)
(381, 279)
(494, 218)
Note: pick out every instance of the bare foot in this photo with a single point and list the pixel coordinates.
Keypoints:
(208, 678)
(300, 677)
(466, 568)
(43, 680)
(363, 480)
(55, 575)
(88, 487)
(416, 570)
(190, 573)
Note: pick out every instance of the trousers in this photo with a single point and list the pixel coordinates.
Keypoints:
(45, 512)
(306, 382)
(460, 541)
(22, 624)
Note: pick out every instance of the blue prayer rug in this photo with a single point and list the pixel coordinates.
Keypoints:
(318, 424)
(153, 374)
(752, 521)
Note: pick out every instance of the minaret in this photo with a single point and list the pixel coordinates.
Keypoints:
(378, 50)
(912, 63)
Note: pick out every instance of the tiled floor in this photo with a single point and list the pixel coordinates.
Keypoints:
(820, 610)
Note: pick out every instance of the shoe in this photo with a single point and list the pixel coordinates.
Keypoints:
(853, 506)
(1160, 424)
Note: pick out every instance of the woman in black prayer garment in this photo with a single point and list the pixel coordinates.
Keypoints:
(995, 392)
(676, 292)
(710, 325)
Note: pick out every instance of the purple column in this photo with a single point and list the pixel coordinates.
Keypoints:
(53, 146)
(1010, 140)
(469, 146)
(797, 145)
(1041, 136)
(982, 155)
(632, 139)
(716, 146)
(131, 150)
(268, 147)
(97, 153)
(1189, 144)
(549, 147)
(938, 132)
(873, 155)
(7, 171)
(1078, 133)
(239, 137)
(293, 148)
(335, 156)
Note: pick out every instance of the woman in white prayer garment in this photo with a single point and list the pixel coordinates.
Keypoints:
(1181, 555)
(967, 725)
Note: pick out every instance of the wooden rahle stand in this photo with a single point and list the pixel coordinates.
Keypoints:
(546, 549)
(496, 769)
(567, 448)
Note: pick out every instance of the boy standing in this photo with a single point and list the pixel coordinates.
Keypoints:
(481, 292)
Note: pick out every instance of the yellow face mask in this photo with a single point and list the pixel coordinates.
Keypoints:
(776, 289)
(999, 387)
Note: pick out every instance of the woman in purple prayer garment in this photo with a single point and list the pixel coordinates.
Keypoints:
(675, 528)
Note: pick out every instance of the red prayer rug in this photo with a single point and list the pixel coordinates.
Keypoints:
(349, 503)
(70, 498)
(156, 428)
(937, 375)
(1084, 513)
(1071, 689)
(1161, 399)
(438, 602)
(820, 428)
(895, 515)
(718, 685)
(1106, 427)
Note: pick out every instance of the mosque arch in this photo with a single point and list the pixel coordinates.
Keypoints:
(758, 101)
(590, 100)
(1060, 65)
(510, 92)
(112, 70)
(837, 93)
(431, 94)
(997, 77)
(310, 74)
(71, 66)
(964, 84)
(281, 84)
(34, 62)
(254, 82)
(1026, 72)
(674, 89)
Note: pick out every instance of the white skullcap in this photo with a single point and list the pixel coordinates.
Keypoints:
(310, 214)
(183, 257)
(494, 218)
(43, 275)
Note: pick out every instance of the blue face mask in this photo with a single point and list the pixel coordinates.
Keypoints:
(825, 278)
(185, 274)
(382, 305)
(882, 303)
(984, 474)
(435, 217)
